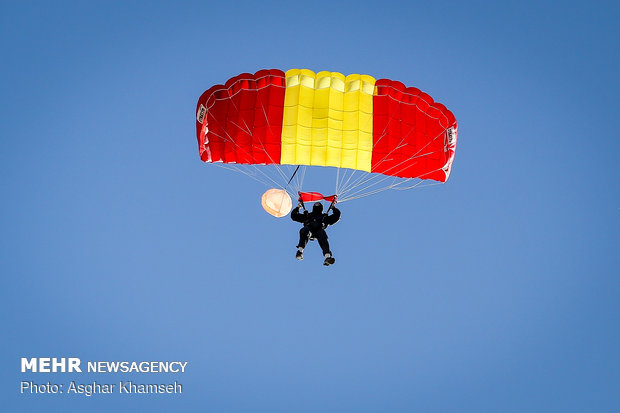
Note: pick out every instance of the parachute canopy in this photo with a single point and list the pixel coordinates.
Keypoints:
(323, 119)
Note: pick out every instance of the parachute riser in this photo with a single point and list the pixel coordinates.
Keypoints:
(332, 204)
(301, 200)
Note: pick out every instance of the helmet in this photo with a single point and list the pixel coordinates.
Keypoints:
(317, 208)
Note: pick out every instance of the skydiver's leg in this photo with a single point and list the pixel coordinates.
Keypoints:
(304, 235)
(321, 236)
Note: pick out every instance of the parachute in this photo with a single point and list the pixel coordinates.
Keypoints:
(374, 135)
(277, 202)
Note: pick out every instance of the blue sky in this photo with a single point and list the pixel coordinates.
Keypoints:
(497, 291)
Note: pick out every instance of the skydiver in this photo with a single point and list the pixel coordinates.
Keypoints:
(315, 223)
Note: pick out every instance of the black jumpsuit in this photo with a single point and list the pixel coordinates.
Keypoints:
(315, 223)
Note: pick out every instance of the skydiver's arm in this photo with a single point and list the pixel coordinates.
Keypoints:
(297, 216)
(334, 217)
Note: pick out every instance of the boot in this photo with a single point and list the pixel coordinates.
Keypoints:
(299, 255)
(329, 260)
